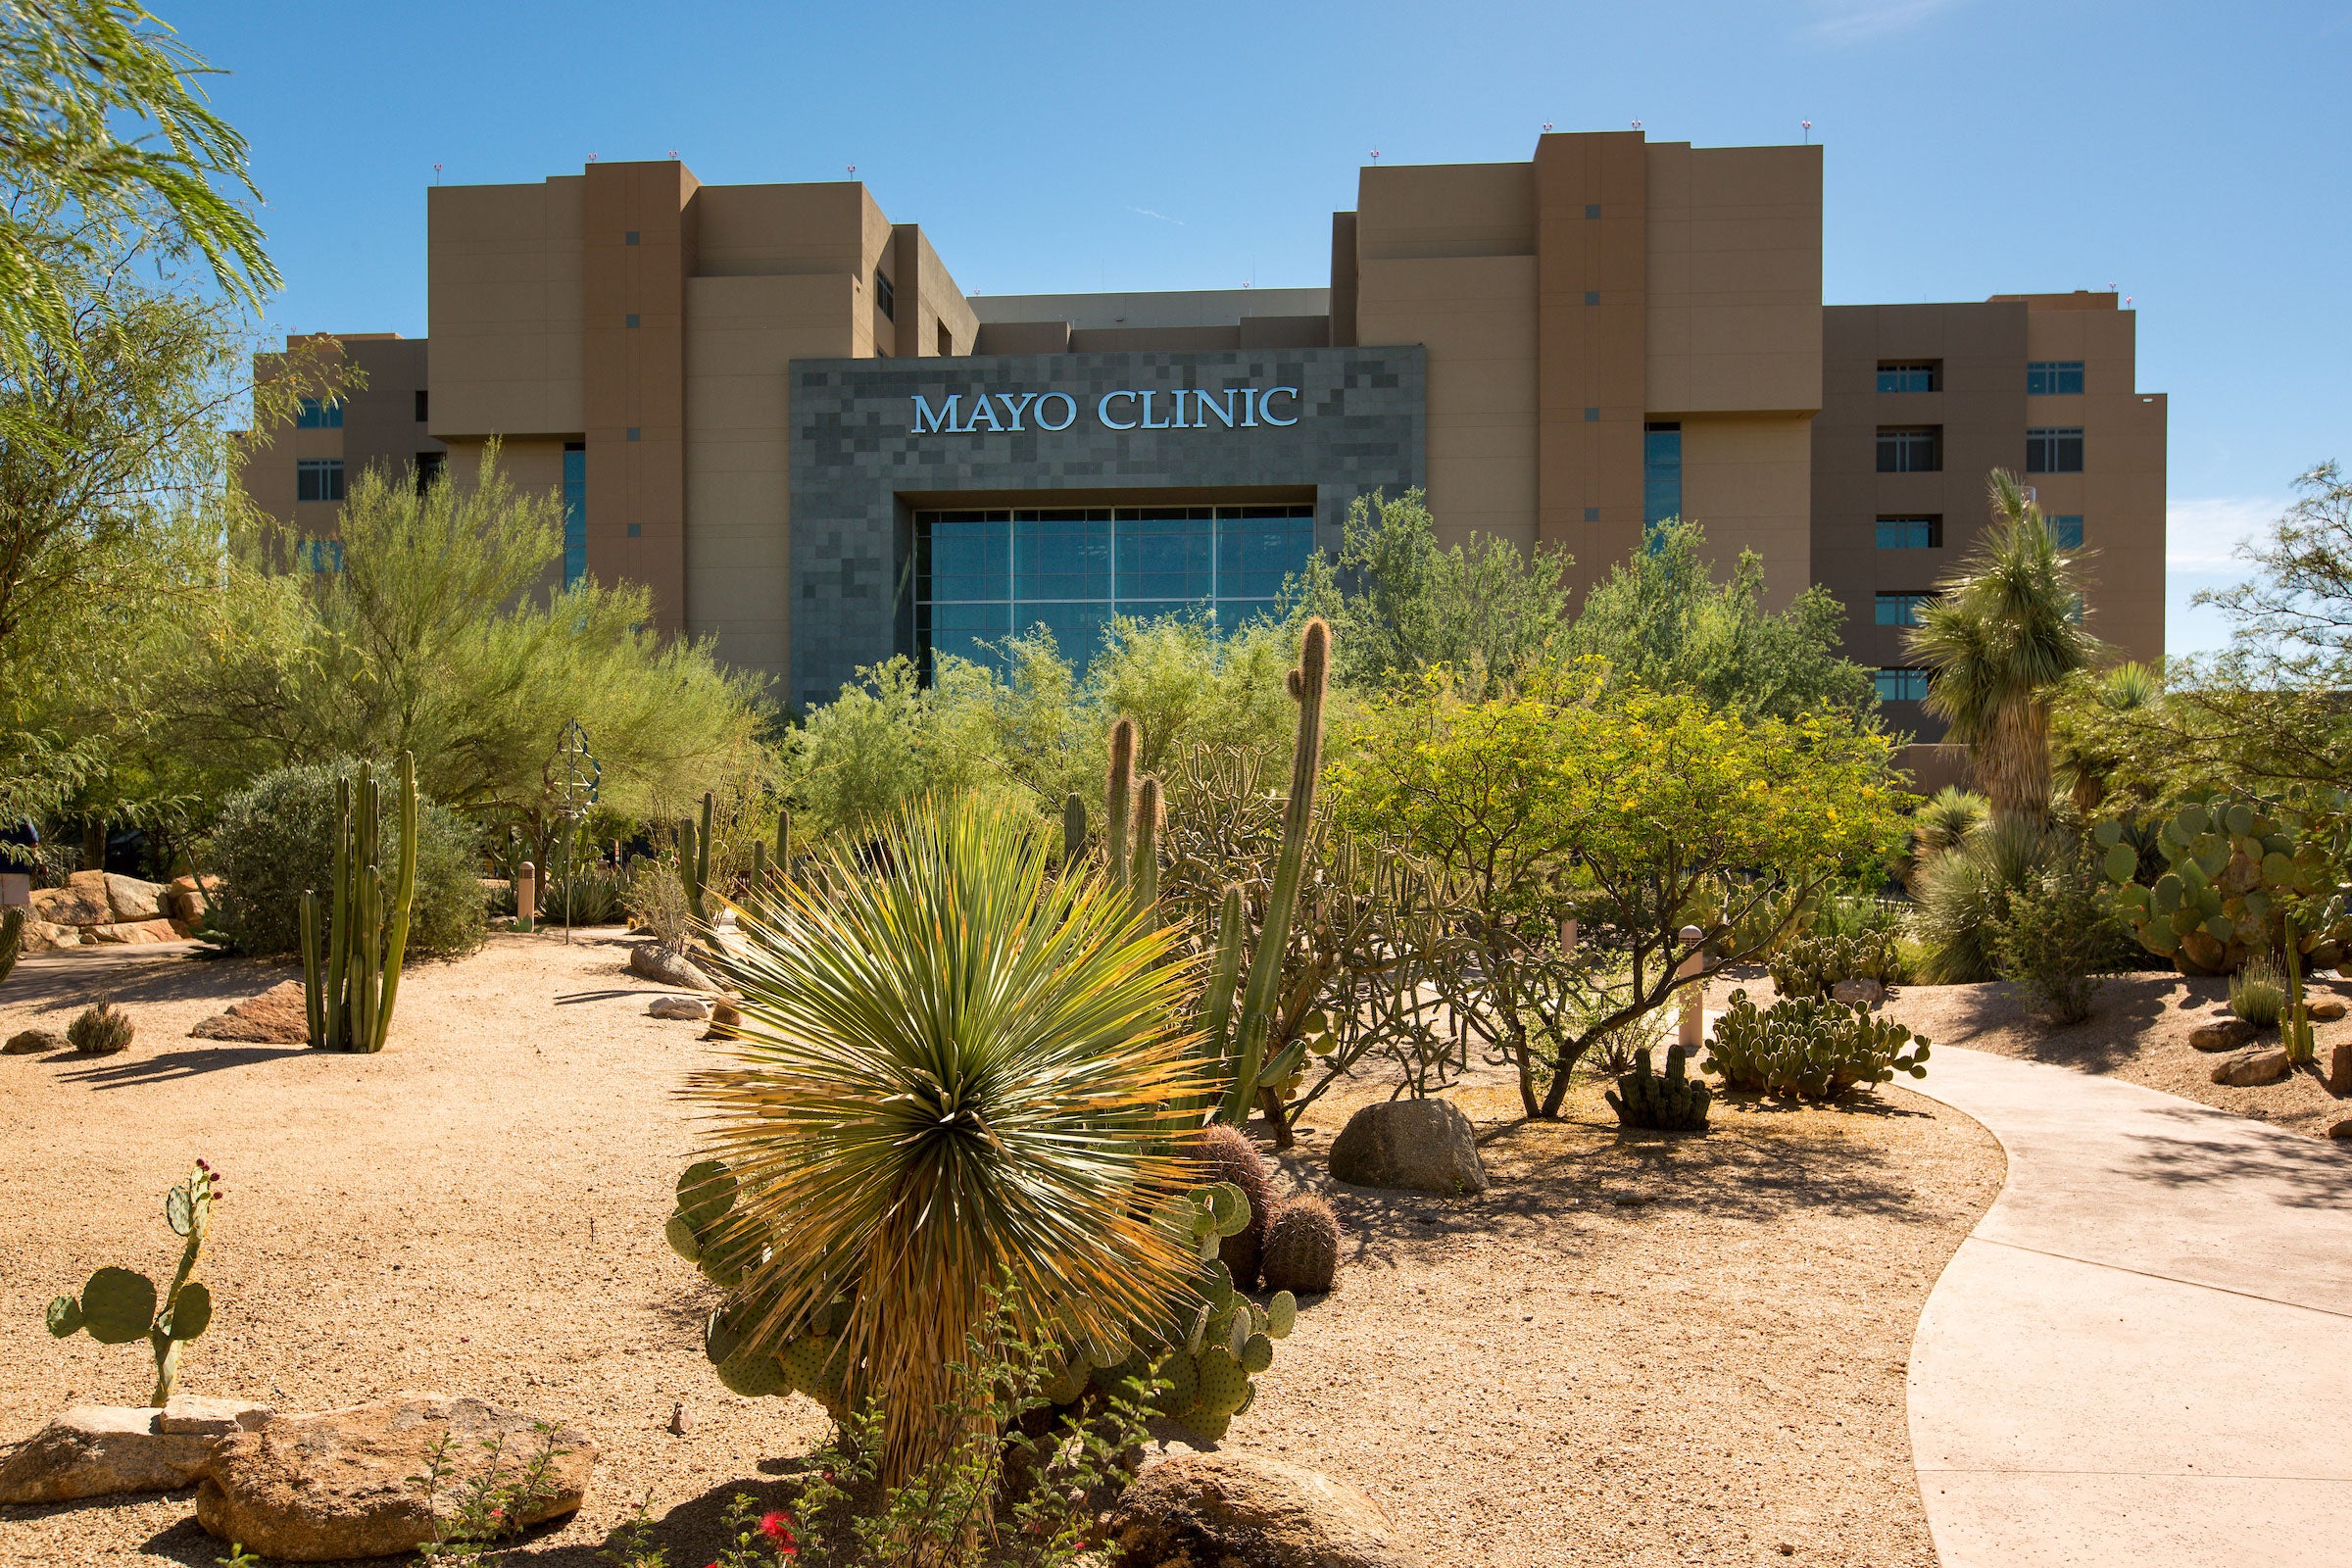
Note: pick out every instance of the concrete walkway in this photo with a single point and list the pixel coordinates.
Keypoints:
(2142, 1354)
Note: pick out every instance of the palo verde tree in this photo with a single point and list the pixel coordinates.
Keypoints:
(1636, 812)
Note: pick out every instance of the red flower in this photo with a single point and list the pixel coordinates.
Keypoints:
(777, 1528)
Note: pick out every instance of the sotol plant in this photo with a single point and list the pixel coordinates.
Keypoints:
(117, 1306)
(353, 947)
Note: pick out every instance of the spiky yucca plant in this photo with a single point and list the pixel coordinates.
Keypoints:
(955, 1075)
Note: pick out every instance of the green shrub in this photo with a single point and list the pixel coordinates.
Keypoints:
(2258, 990)
(2057, 933)
(1964, 895)
(1803, 1048)
(277, 839)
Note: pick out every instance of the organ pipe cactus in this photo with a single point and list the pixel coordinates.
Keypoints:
(117, 1306)
(1674, 1103)
(1119, 800)
(353, 946)
(1073, 828)
(1307, 683)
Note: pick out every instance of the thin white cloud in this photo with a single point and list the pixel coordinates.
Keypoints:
(1861, 20)
(1162, 217)
(2201, 533)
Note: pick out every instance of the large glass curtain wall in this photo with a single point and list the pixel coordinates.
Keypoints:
(981, 576)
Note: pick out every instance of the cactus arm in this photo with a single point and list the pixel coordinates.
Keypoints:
(338, 909)
(759, 864)
(1307, 683)
(702, 860)
(314, 1009)
(784, 843)
(1073, 828)
(1143, 878)
(1118, 799)
(165, 1347)
(404, 896)
(1225, 975)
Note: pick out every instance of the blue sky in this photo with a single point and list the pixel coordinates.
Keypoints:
(2195, 156)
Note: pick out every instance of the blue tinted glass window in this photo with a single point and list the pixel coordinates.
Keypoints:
(1902, 685)
(316, 415)
(1916, 449)
(323, 555)
(319, 480)
(2068, 532)
(575, 511)
(1901, 609)
(2053, 377)
(2054, 450)
(981, 576)
(1661, 473)
(1922, 376)
(1910, 533)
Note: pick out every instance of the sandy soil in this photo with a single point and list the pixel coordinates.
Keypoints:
(1634, 1349)
(2138, 1030)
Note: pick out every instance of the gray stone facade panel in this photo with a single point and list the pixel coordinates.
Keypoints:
(857, 454)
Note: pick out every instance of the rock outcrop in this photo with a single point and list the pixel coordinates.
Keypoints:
(1198, 1510)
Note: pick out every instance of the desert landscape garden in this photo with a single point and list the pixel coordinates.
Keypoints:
(1454, 1071)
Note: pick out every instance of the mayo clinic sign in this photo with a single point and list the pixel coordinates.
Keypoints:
(1242, 408)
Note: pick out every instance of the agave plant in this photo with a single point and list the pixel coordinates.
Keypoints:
(957, 1078)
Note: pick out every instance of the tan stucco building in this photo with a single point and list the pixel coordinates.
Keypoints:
(774, 407)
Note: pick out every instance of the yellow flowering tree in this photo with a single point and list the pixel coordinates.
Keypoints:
(1635, 812)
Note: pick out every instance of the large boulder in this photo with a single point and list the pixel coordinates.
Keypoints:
(186, 901)
(76, 904)
(93, 1450)
(133, 899)
(318, 1487)
(42, 937)
(652, 960)
(1421, 1145)
(1236, 1510)
(277, 1017)
(2250, 1069)
(134, 931)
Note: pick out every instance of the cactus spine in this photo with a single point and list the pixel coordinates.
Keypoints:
(359, 942)
(117, 1306)
(1307, 683)
(694, 859)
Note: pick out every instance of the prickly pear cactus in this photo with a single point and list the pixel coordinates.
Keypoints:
(117, 1306)
(1196, 1365)
(1674, 1103)
(1804, 1048)
(2237, 868)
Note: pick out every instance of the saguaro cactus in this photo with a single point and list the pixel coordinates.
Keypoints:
(1308, 682)
(118, 1305)
(694, 859)
(353, 947)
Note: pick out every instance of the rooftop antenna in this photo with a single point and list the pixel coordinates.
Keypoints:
(1547, 128)
(2127, 302)
(1376, 155)
(592, 158)
(1808, 126)
(853, 168)
(436, 173)
(1636, 124)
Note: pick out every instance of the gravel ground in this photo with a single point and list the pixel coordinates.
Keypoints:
(1634, 1349)
(2139, 1031)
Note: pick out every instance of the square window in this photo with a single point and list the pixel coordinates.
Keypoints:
(1901, 685)
(1911, 534)
(1591, 295)
(2054, 450)
(1592, 513)
(2067, 531)
(1591, 416)
(629, 238)
(1591, 208)
(635, 433)
(315, 414)
(1901, 609)
(630, 321)
(636, 530)
(1910, 376)
(2053, 379)
(1911, 448)
(319, 480)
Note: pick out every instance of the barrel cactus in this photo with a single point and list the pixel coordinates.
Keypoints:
(1227, 1156)
(1302, 1246)
(101, 1030)
(1672, 1102)
(2236, 869)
